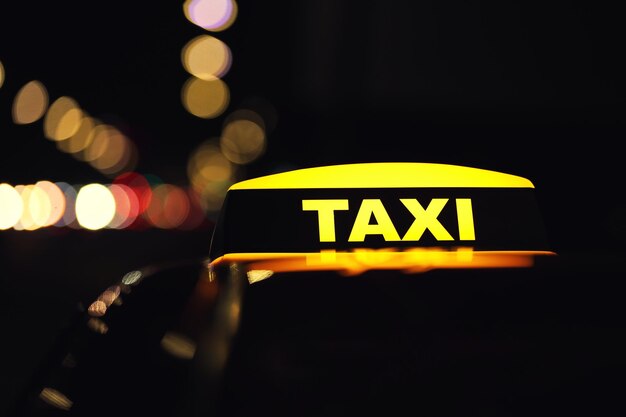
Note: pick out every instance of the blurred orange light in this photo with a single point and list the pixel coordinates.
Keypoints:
(81, 139)
(111, 151)
(154, 212)
(99, 143)
(1, 74)
(11, 206)
(196, 217)
(207, 165)
(205, 98)
(212, 15)
(30, 103)
(176, 206)
(411, 261)
(206, 57)
(242, 141)
(63, 119)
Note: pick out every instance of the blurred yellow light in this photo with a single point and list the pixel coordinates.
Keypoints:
(246, 114)
(30, 103)
(212, 15)
(56, 399)
(62, 119)
(110, 151)
(206, 57)
(95, 206)
(205, 98)
(208, 164)
(178, 345)
(1, 74)
(213, 194)
(56, 199)
(39, 206)
(99, 143)
(26, 221)
(11, 206)
(242, 141)
(81, 139)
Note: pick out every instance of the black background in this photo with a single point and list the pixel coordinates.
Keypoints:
(534, 89)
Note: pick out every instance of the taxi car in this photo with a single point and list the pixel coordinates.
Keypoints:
(346, 290)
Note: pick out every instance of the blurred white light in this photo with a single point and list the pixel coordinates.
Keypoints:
(95, 206)
(11, 206)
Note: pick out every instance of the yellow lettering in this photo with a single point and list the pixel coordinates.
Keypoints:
(466, 219)
(425, 219)
(325, 215)
(383, 225)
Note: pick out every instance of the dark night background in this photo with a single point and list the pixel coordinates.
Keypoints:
(534, 89)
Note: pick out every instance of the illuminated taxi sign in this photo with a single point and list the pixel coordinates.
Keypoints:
(379, 206)
(374, 210)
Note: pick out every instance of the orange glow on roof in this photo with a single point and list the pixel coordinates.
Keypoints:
(357, 261)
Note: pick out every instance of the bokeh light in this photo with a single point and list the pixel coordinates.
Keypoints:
(140, 187)
(69, 215)
(30, 103)
(210, 174)
(26, 221)
(126, 206)
(63, 119)
(39, 207)
(1, 74)
(11, 206)
(56, 198)
(169, 207)
(242, 140)
(81, 139)
(178, 345)
(99, 143)
(133, 200)
(95, 206)
(205, 98)
(212, 15)
(263, 109)
(208, 165)
(56, 399)
(206, 57)
(110, 151)
(196, 216)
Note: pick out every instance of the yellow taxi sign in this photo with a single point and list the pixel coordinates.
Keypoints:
(425, 213)
(385, 175)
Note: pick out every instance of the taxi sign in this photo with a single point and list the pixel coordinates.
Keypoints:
(381, 215)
